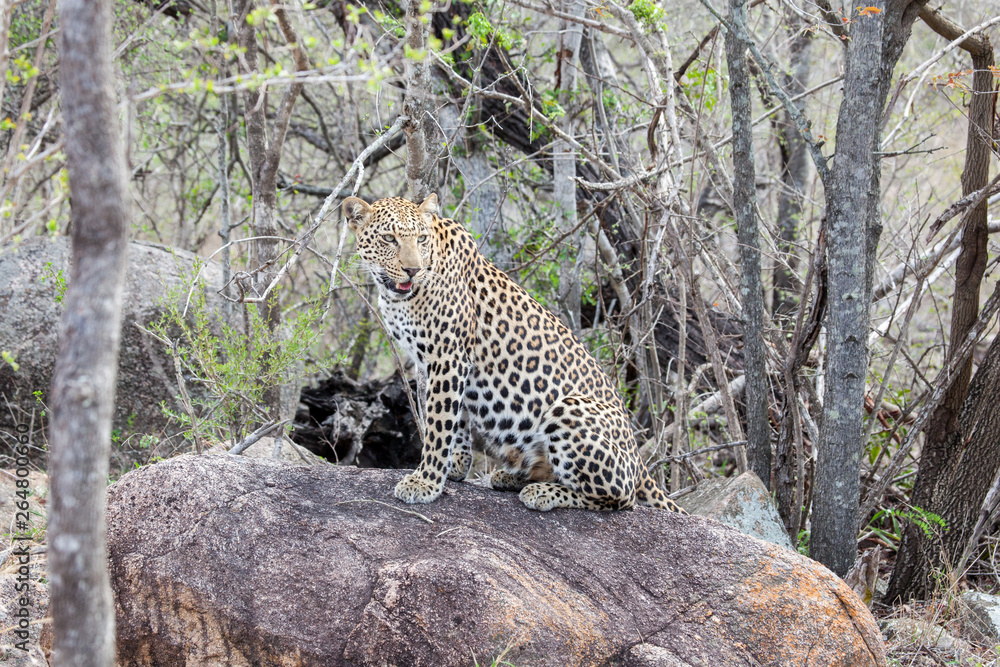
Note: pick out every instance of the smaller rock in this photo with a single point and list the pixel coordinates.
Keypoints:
(12, 650)
(742, 503)
(264, 449)
(980, 615)
(38, 485)
(919, 631)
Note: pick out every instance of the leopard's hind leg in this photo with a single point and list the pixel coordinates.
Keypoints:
(591, 451)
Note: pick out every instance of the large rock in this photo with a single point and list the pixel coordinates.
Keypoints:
(741, 502)
(31, 310)
(221, 560)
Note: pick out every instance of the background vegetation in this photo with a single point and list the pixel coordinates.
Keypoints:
(775, 235)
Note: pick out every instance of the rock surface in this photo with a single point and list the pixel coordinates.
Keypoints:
(17, 650)
(220, 560)
(980, 613)
(29, 328)
(741, 502)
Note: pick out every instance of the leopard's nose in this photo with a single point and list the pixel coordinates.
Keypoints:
(411, 272)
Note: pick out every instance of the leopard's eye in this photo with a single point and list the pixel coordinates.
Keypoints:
(422, 238)
(388, 238)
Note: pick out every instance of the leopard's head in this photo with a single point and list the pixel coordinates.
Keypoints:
(395, 241)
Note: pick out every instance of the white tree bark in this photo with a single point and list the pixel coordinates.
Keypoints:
(83, 386)
(564, 167)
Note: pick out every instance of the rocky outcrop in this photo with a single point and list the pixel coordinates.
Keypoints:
(221, 560)
(33, 275)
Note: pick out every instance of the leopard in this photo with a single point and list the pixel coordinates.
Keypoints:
(499, 370)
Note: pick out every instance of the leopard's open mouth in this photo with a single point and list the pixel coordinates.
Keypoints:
(405, 289)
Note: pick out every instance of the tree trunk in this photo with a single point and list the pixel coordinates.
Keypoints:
(944, 448)
(564, 167)
(758, 432)
(420, 161)
(853, 229)
(794, 175)
(972, 466)
(963, 481)
(83, 385)
(264, 158)
(789, 463)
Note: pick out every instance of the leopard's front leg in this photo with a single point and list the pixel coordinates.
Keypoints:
(446, 380)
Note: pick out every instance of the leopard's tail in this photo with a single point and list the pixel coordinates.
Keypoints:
(648, 493)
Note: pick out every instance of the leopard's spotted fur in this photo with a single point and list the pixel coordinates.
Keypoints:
(498, 362)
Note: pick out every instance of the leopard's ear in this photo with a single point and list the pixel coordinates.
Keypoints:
(429, 207)
(356, 211)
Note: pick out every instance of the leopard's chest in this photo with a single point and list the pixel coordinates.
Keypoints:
(408, 327)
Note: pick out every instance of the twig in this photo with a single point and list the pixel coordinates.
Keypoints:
(582, 20)
(398, 509)
(185, 399)
(703, 450)
(970, 202)
(238, 83)
(642, 176)
(257, 435)
(304, 239)
(955, 43)
(923, 263)
(890, 364)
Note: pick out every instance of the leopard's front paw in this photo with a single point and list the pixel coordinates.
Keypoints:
(414, 489)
